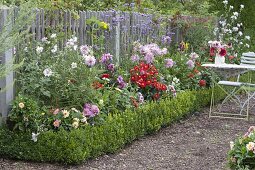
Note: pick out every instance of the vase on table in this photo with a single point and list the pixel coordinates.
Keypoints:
(219, 59)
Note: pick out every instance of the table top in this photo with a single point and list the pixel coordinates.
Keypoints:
(230, 66)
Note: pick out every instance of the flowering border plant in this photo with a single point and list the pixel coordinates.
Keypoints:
(242, 151)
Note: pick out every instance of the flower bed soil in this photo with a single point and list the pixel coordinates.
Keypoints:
(194, 143)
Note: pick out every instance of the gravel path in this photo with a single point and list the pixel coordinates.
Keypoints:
(196, 143)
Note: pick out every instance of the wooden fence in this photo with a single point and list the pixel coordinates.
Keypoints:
(125, 28)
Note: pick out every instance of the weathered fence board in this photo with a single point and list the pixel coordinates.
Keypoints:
(6, 83)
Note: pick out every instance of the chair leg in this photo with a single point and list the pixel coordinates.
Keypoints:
(248, 101)
(212, 101)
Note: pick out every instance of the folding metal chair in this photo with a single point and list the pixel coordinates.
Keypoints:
(247, 59)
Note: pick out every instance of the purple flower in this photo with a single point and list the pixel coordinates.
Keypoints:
(169, 63)
(95, 109)
(105, 58)
(144, 50)
(90, 60)
(166, 39)
(90, 110)
(193, 56)
(135, 58)
(163, 51)
(190, 64)
(111, 67)
(120, 79)
(152, 49)
(156, 51)
(149, 58)
(85, 50)
(121, 83)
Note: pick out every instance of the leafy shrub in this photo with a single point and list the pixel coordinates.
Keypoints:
(25, 114)
(56, 77)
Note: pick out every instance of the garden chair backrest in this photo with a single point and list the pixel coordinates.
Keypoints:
(248, 58)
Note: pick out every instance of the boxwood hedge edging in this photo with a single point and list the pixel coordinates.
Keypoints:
(119, 129)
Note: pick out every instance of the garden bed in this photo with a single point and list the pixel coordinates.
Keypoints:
(119, 129)
(202, 139)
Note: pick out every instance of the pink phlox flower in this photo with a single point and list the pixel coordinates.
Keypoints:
(190, 64)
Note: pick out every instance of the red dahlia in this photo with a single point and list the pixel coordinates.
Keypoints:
(105, 76)
(202, 83)
(223, 52)
(212, 51)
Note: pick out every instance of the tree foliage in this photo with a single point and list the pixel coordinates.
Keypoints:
(13, 33)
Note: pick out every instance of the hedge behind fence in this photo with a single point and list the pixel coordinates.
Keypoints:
(119, 129)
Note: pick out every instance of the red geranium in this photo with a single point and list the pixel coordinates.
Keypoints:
(202, 83)
(145, 76)
(105, 76)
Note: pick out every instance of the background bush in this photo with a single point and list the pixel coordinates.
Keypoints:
(247, 15)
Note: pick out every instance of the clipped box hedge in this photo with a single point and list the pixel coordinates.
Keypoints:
(119, 129)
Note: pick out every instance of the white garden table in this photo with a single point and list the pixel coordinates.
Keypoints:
(227, 71)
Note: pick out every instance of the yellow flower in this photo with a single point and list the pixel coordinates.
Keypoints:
(186, 46)
(43, 113)
(75, 124)
(104, 25)
(21, 105)
(250, 146)
(65, 113)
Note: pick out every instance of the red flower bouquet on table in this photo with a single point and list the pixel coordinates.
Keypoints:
(218, 50)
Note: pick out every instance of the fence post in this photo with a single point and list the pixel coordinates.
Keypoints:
(6, 83)
(116, 47)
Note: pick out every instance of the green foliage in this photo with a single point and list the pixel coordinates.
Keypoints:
(198, 35)
(11, 34)
(69, 80)
(180, 75)
(247, 16)
(75, 146)
(25, 114)
(194, 7)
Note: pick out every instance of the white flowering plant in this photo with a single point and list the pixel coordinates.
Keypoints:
(58, 75)
(242, 151)
(231, 32)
